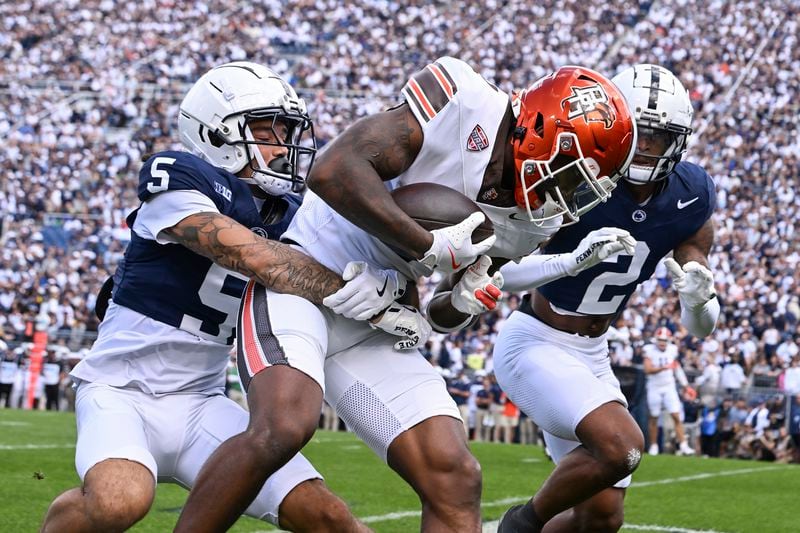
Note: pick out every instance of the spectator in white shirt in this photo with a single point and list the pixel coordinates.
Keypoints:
(758, 418)
(787, 350)
(791, 378)
(732, 376)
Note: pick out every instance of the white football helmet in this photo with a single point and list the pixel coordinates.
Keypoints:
(663, 113)
(214, 118)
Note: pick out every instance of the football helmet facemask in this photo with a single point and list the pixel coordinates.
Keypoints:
(663, 112)
(574, 137)
(216, 115)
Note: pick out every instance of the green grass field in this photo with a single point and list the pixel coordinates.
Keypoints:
(669, 493)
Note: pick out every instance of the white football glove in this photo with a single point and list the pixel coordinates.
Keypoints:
(368, 291)
(694, 282)
(406, 322)
(596, 247)
(476, 292)
(452, 247)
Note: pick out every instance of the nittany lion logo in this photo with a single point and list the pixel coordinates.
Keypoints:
(592, 104)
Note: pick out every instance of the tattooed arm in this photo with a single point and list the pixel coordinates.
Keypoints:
(349, 176)
(273, 264)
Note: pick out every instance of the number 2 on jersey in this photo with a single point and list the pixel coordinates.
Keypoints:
(591, 303)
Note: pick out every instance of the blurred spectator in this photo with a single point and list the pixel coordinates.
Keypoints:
(709, 434)
(509, 420)
(726, 429)
(459, 389)
(732, 376)
(495, 409)
(791, 379)
(794, 426)
(52, 374)
(528, 432)
(692, 408)
(8, 373)
(758, 417)
(483, 403)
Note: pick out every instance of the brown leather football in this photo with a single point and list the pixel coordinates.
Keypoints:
(435, 206)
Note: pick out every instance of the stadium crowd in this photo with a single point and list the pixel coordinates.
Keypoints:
(90, 87)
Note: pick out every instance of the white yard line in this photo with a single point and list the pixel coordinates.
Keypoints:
(519, 499)
(34, 446)
(491, 527)
(671, 529)
(670, 481)
(389, 516)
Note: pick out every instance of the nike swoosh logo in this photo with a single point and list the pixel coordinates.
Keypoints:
(513, 216)
(682, 204)
(453, 263)
(382, 289)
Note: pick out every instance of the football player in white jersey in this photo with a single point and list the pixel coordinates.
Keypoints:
(551, 357)
(662, 368)
(150, 402)
(454, 128)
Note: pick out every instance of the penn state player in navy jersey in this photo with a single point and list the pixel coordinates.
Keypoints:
(154, 280)
(150, 403)
(552, 357)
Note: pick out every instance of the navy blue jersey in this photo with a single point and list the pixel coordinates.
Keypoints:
(169, 282)
(667, 220)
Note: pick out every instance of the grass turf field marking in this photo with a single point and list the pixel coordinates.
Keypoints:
(670, 481)
(34, 446)
(671, 529)
(519, 499)
(491, 527)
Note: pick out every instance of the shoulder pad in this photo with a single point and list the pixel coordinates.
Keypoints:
(699, 183)
(170, 171)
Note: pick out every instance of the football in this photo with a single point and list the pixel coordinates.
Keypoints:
(435, 206)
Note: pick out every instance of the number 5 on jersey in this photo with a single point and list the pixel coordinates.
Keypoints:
(159, 174)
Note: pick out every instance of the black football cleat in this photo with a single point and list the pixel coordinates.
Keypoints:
(514, 521)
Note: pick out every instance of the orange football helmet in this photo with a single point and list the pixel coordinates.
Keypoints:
(573, 140)
(663, 334)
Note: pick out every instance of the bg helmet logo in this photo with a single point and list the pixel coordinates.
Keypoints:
(591, 103)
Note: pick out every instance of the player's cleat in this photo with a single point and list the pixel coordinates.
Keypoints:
(685, 449)
(520, 519)
(653, 449)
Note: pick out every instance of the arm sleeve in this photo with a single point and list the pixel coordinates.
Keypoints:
(533, 271)
(166, 209)
(701, 319)
(680, 375)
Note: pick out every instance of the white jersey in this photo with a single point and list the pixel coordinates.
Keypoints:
(667, 357)
(8, 371)
(51, 373)
(460, 114)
